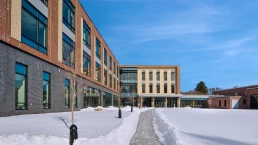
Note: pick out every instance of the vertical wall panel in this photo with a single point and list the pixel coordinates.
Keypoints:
(60, 29)
(16, 19)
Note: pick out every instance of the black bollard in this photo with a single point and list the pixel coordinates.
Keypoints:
(119, 113)
(131, 108)
(73, 134)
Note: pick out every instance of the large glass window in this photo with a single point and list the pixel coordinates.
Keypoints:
(97, 72)
(158, 88)
(20, 86)
(165, 88)
(114, 68)
(68, 14)
(67, 93)
(105, 57)
(143, 87)
(68, 51)
(165, 75)
(86, 64)
(46, 90)
(158, 75)
(110, 63)
(97, 48)
(114, 83)
(91, 97)
(86, 35)
(150, 75)
(110, 80)
(107, 99)
(150, 87)
(172, 88)
(105, 77)
(33, 27)
(172, 76)
(143, 75)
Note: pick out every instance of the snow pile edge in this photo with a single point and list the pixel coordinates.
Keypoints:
(168, 130)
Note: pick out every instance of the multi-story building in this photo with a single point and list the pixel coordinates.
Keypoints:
(154, 86)
(44, 44)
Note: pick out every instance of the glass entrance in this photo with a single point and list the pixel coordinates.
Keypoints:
(160, 102)
(146, 102)
(172, 102)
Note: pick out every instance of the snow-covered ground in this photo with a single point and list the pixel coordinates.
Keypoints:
(94, 128)
(189, 126)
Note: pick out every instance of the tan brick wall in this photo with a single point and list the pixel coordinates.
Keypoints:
(54, 38)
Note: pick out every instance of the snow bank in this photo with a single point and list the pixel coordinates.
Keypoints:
(164, 129)
(119, 136)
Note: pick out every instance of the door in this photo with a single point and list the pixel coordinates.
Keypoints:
(235, 104)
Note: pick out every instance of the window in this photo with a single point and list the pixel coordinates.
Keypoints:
(114, 68)
(158, 88)
(219, 103)
(165, 75)
(225, 103)
(105, 77)
(150, 75)
(105, 56)
(68, 51)
(86, 35)
(46, 90)
(20, 86)
(97, 72)
(244, 101)
(158, 75)
(33, 27)
(143, 88)
(114, 83)
(172, 88)
(173, 76)
(110, 63)
(110, 80)
(86, 64)
(75, 103)
(67, 93)
(165, 88)
(117, 71)
(143, 75)
(150, 88)
(68, 14)
(44, 1)
(97, 48)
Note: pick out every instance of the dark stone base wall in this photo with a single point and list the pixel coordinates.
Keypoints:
(8, 57)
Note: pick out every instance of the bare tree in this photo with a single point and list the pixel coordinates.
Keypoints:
(75, 88)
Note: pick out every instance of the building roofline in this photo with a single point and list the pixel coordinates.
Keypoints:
(252, 86)
(139, 66)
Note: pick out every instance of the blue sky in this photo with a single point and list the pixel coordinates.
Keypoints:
(215, 41)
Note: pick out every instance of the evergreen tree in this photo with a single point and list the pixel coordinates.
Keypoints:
(201, 87)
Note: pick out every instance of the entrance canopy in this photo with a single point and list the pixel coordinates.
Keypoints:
(161, 95)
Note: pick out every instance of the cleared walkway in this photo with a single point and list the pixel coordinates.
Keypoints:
(145, 133)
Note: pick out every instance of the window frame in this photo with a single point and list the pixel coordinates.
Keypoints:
(71, 45)
(45, 2)
(165, 88)
(143, 88)
(172, 88)
(105, 56)
(143, 75)
(49, 87)
(105, 77)
(165, 76)
(150, 76)
(87, 29)
(158, 87)
(158, 75)
(150, 88)
(26, 87)
(98, 50)
(39, 20)
(173, 76)
(97, 77)
(71, 8)
(69, 93)
(88, 58)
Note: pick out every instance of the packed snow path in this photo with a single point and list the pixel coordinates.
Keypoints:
(145, 134)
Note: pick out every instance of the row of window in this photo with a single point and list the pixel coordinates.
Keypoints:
(158, 88)
(158, 75)
(21, 88)
(34, 34)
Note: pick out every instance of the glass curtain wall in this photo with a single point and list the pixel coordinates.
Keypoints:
(92, 97)
(128, 78)
(107, 99)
